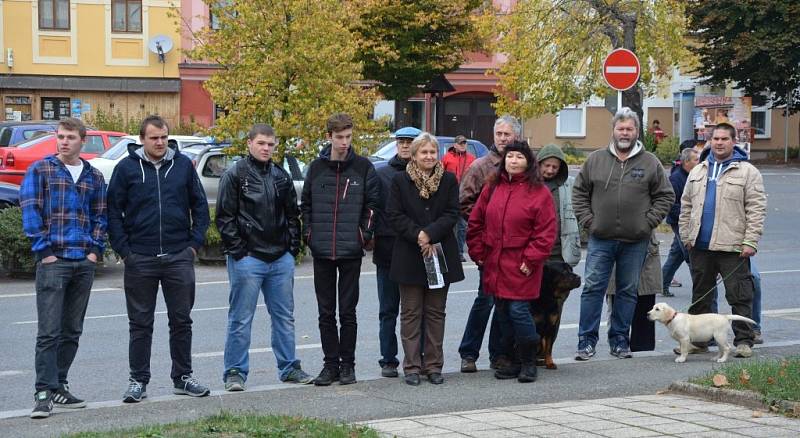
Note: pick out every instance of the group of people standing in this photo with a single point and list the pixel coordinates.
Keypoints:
(517, 211)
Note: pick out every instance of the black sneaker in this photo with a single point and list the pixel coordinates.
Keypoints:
(190, 386)
(63, 399)
(667, 293)
(234, 380)
(43, 404)
(585, 351)
(347, 375)
(328, 375)
(135, 393)
(389, 370)
(621, 351)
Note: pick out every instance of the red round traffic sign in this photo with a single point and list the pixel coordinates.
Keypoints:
(621, 69)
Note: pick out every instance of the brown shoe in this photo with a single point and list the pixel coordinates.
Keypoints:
(500, 363)
(468, 366)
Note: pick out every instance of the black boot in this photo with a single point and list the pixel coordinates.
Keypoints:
(527, 354)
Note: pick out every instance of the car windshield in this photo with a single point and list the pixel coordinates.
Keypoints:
(35, 141)
(117, 150)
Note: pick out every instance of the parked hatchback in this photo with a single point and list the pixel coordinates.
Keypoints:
(14, 160)
(12, 133)
(382, 156)
(108, 160)
(212, 161)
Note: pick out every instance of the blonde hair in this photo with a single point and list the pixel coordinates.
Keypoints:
(423, 139)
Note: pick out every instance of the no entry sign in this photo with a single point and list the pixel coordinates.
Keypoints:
(621, 69)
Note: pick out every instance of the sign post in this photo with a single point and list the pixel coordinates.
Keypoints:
(621, 70)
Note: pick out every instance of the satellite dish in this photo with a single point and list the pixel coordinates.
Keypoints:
(160, 45)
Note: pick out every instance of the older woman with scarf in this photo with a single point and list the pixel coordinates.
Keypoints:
(511, 232)
(423, 208)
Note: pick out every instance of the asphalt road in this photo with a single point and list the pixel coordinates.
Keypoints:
(100, 370)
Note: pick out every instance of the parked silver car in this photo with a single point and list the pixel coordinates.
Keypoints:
(211, 162)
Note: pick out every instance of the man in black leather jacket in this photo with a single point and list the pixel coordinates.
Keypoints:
(259, 221)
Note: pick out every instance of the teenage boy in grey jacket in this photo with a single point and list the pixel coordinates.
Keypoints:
(620, 195)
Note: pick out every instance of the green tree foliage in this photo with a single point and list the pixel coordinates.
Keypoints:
(754, 44)
(556, 49)
(406, 43)
(288, 63)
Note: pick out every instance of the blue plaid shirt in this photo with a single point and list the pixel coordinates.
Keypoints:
(61, 217)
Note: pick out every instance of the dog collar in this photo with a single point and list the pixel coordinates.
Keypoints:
(673, 317)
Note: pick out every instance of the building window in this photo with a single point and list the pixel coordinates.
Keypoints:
(216, 9)
(761, 121)
(571, 122)
(54, 14)
(126, 16)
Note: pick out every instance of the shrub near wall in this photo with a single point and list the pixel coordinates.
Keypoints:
(15, 249)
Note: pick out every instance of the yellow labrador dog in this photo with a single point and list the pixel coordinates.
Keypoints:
(686, 328)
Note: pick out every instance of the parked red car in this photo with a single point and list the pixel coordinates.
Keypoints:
(14, 161)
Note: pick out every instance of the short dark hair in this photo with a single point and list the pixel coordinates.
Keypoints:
(154, 120)
(656, 121)
(726, 126)
(532, 173)
(72, 124)
(338, 122)
(260, 129)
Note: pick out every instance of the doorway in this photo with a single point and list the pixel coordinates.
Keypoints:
(470, 114)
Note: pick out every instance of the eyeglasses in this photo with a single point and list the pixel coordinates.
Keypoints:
(462, 142)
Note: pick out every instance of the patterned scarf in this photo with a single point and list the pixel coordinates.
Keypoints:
(426, 184)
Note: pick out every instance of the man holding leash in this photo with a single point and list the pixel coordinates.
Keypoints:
(721, 221)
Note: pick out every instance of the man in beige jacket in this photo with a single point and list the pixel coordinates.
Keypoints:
(722, 218)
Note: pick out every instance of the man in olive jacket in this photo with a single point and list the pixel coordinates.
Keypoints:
(722, 217)
(620, 195)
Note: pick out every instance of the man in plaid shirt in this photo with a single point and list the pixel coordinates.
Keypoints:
(63, 202)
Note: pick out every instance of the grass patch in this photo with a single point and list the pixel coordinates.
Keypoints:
(775, 379)
(229, 425)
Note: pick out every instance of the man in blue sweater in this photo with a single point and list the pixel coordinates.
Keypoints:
(157, 220)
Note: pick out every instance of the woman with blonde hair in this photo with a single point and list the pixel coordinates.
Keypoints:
(423, 209)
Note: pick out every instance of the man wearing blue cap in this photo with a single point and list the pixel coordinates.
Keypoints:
(388, 292)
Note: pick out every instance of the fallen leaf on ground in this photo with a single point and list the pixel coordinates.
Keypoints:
(662, 391)
(744, 377)
(720, 380)
(757, 414)
(770, 381)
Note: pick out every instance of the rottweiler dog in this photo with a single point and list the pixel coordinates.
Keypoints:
(558, 281)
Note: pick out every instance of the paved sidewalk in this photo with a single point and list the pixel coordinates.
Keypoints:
(621, 417)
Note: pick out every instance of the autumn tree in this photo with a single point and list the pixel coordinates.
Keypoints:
(556, 49)
(404, 44)
(288, 63)
(753, 44)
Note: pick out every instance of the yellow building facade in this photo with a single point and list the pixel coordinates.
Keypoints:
(74, 57)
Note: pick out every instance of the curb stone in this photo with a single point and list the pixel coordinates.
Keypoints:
(749, 399)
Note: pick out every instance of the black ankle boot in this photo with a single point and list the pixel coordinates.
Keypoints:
(527, 354)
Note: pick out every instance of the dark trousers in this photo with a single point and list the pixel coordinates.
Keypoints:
(388, 309)
(422, 317)
(735, 271)
(143, 273)
(476, 327)
(62, 294)
(338, 346)
(519, 330)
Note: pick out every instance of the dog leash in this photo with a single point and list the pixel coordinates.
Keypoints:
(722, 280)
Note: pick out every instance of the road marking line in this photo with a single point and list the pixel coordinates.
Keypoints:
(255, 350)
(33, 294)
(781, 311)
(11, 373)
(785, 271)
(120, 315)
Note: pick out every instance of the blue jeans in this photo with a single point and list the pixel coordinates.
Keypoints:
(476, 326)
(601, 257)
(461, 234)
(250, 277)
(677, 255)
(516, 322)
(62, 294)
(388, 308)
(756, 296)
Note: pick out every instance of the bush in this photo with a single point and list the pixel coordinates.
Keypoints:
(109, 121)
(15, 249)
(649, 142)
(667, 150)
(213, 238)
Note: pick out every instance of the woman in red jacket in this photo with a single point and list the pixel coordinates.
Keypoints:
(511, 232)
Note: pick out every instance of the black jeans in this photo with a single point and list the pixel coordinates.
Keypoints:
(62, 294)
(338, 346)
(735, 270)
(143, 273)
